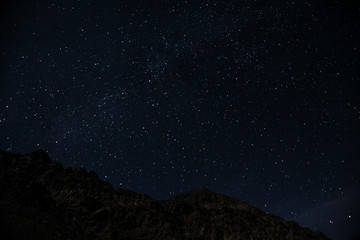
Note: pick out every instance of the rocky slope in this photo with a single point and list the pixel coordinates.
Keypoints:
(39, 199)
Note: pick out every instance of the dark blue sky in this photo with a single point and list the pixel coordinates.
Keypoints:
(255, 99)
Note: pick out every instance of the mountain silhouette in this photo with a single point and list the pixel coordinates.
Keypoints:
(39, 199)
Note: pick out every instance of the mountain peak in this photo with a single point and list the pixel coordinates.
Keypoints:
(39, 199)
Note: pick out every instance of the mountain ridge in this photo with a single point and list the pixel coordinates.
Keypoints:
(39, 199)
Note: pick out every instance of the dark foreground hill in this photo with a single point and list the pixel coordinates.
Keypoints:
(41, 200)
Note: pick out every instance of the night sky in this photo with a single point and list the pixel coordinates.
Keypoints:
(258, 100)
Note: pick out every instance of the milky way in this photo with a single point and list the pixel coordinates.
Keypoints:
(258, 100)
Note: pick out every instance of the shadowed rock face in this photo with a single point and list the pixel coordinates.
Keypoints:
(39, 199)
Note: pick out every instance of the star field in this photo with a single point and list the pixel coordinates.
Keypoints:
(258, 100)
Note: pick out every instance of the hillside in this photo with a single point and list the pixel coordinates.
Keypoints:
(39, 199)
